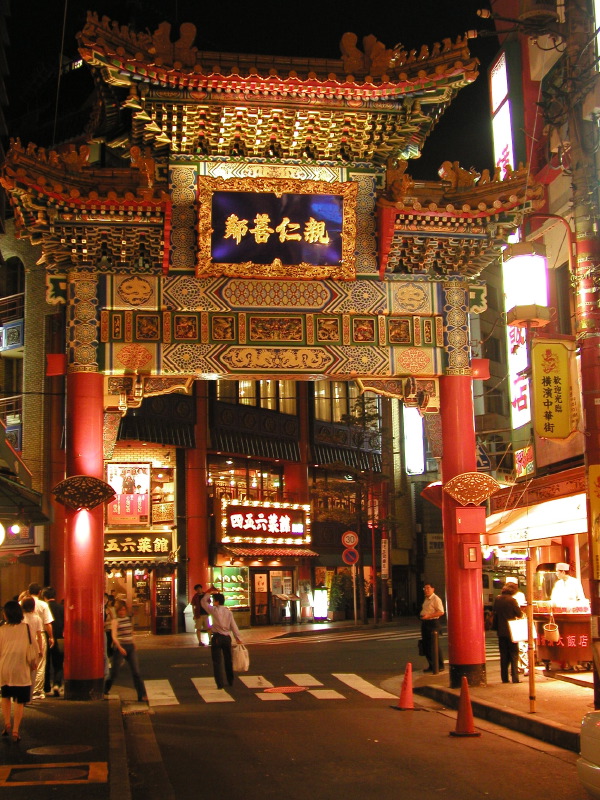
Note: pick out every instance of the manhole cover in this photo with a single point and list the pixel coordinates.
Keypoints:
(59, 749)
(286, 689)
(49, 774)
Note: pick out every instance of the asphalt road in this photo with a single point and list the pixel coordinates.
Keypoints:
(324, 734)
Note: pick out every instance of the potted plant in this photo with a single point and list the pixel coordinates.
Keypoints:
(337, 600)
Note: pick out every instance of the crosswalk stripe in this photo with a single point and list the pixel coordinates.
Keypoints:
(272, 696)
(326, 694)
(160, 693)
(303, 679)
(363, 686)
(255, 682)
(209, 693)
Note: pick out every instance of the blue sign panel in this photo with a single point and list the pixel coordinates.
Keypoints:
(262, 227)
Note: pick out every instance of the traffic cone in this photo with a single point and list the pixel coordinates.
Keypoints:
(405, 703)
(464, 720)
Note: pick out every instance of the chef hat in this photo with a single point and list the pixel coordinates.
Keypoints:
(512, 579)
(562, 566)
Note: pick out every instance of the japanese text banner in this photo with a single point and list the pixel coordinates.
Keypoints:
(555, 416)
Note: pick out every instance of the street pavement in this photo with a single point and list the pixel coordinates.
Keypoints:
(78, 749)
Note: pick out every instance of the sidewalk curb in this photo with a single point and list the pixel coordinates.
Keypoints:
(119, 787)
(546, 731)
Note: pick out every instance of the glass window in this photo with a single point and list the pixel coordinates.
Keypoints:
(227, 391)
(287, 397)
(247, 393)
(339, 400)
(268, 395)
(322, 401)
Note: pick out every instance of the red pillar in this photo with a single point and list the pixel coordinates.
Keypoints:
(84, 545)
(198, 532)
(466, 640)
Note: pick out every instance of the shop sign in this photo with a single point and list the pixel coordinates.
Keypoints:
(594, 494)
(141, 544)
(385, 558)
(524, 462)
(130, 505)
(434, 543)
(551, 381)
(277, 225)
(266, 524)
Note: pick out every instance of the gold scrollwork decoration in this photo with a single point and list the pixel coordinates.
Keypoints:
(471, 487)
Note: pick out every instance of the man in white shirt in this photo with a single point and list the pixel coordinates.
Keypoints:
(567, 591)
(42, 609)
(431, 611)
(222, 624)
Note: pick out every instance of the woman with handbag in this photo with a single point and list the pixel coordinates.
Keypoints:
(18, 656)
(506, 608)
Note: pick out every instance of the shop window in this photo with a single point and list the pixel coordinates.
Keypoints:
(270, 394)
(247, 393)
(336, 400)
(237, 479)
(227, 391)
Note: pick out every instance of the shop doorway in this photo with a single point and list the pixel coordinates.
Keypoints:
(133, 586)
(274, 600)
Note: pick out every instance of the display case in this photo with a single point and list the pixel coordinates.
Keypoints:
(234, 583)
(164, 597)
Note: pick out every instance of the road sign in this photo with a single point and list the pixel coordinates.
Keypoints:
(350, 556)
(349, 539)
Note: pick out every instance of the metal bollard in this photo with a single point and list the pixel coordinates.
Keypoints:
(435, 652)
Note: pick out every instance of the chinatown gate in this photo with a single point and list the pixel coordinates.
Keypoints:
(251, 216)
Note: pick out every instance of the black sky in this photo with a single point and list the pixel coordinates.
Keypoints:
(304, 29)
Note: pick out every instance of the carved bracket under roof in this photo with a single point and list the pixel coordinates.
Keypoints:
(449, 228)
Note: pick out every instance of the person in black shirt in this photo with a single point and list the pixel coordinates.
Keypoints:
(54, 665)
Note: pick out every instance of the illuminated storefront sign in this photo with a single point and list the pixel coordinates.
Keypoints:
(552, 387)
(264, 523)
(520, 401)
(501, 114)
(131, 482)
(276, 228)
(524, 462)
(138, 544)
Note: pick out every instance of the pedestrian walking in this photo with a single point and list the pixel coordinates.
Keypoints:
(124, 648)
(35, 628)
(15, 668)
(54, 670)
(222, 625)
(505, 609)
(200, 615)
(431, 611)
(43, 611)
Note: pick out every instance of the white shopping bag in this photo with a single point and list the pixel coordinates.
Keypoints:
(241, 658)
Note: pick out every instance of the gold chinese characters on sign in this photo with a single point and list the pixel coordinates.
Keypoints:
(276, 228)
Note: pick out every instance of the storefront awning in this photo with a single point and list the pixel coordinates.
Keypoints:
(20, 502)
(559, 517)
(270, 552)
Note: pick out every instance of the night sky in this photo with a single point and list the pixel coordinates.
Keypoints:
(305, 29)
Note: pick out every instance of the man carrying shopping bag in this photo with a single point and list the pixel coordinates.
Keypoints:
(220, 644)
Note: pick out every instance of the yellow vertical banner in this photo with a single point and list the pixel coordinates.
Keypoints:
(551, 387)
(594, 495)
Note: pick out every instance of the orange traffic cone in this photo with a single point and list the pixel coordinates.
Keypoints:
(464, 720)
(405, 703)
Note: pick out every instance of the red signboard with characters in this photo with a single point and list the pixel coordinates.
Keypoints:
(130, 506)
(267, 523)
